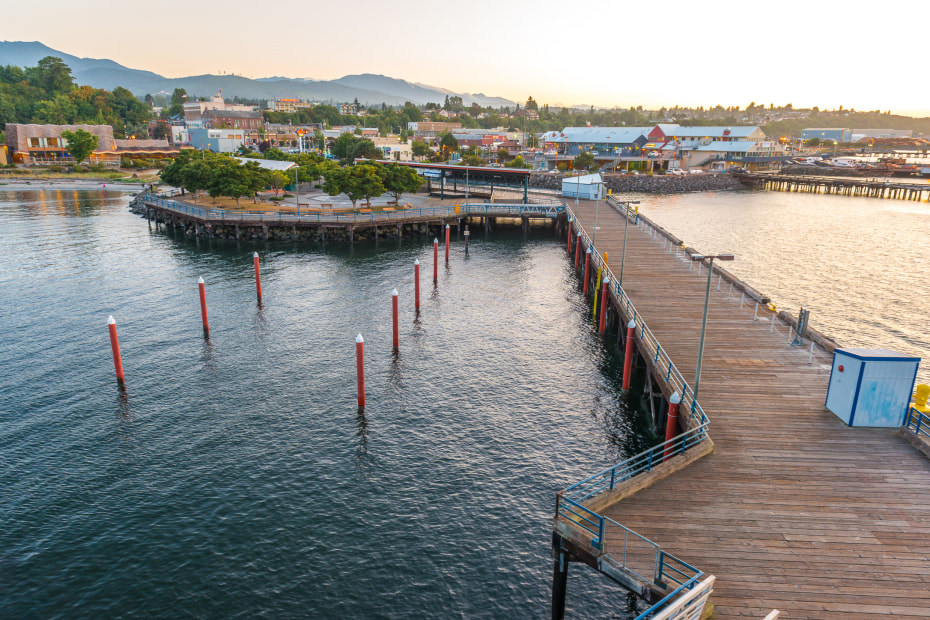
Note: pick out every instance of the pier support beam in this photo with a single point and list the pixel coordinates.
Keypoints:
(559, 578)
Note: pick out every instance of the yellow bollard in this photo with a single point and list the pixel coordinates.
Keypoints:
(920, 398)
(771, 307)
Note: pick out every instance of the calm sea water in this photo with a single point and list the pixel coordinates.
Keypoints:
(235, 477)
(860, 265)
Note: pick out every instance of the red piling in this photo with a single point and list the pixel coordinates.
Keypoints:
(416, 284)
(600, 328)
(447, 243)
(114, 345)
(394, 309)
(360, 368)
(587, 271)
(435, 259)
(258, 277)
(577, 249)
(203, 306)
(628, 353)
(671, 424)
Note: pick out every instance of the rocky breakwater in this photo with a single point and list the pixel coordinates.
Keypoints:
(651, 184)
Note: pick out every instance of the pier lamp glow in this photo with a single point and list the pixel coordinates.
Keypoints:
(710, 270)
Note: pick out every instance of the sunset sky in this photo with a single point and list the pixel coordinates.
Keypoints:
(603, 53)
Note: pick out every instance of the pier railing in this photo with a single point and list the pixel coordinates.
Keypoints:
(570, 506)
(918, 422)
(548, 210)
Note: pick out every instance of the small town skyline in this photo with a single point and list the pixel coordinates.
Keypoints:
(607, 55)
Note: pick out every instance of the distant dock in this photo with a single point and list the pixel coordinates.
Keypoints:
(835, 185)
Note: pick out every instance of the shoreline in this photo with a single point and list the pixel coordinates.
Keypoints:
(76, 184)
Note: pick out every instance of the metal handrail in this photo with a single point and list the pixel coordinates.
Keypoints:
(645, 461)
(919, 422)
(651, 346)
(569, 501)
(551, 210)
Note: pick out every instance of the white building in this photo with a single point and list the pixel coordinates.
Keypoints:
(586, 187)
(217, 140)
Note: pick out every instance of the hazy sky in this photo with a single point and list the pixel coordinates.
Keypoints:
(865, 56)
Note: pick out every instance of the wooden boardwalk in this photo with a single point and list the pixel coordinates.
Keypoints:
(794, 510)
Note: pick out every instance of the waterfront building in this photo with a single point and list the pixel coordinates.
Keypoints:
(586, 187)
(44, 145)
(194, 110)
(232, 119)
(348, 109)
(424, 130)
(859, 134)
(288, 105)
(828, 134)
(393, 148)
(217, 140)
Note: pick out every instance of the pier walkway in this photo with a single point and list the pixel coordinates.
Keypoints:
(792, 510)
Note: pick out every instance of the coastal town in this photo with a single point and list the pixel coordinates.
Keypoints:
(783, 482)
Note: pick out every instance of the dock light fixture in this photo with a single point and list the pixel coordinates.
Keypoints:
(710, 271)
(626, 224)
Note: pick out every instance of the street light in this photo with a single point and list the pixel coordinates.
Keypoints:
(626, 224)
(710, 271)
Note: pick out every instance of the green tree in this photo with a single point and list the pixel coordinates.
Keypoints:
(420, 149)
(531, 104)
(582, 161)
(398, 180)
(228, 178)
(277, 179)
(517, 162)
(196, 175)
(356, 182)
(274, 154)
(59, 111)
(172, 174)
(448, 143)
(52, 75)
(80, 144)
(344, 147)
(366, 149)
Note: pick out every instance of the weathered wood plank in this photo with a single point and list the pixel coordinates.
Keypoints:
(793, 510)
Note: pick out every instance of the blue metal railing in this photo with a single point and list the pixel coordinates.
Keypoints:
(918, 422)
(643, 462)
(650, 344)
(549, 210)
(569, 502)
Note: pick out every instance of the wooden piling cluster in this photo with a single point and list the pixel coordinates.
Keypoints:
(838, 186)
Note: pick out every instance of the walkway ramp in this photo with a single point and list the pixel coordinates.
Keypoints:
(793, 510)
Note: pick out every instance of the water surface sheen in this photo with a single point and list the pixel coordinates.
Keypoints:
(859, 264)
(235, 477)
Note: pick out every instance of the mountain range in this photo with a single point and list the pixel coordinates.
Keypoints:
(367, 88)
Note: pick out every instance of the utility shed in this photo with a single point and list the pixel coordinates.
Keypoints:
(587, 187)
(871, 387)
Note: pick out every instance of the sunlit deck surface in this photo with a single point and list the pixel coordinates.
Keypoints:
(794, 510)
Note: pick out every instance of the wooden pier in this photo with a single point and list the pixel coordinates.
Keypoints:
(792, 510)
(322, 225)
(841, 186)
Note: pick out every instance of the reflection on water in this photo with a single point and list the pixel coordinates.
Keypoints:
(236, 475)
(856, 263)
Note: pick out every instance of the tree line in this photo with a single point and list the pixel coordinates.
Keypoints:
(221, 175)
(47, 93)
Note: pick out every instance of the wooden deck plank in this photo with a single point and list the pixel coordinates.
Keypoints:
(794, 510)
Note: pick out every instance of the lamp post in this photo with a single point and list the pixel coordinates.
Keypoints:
(710, 271)
(626, 224)
(297, 188)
